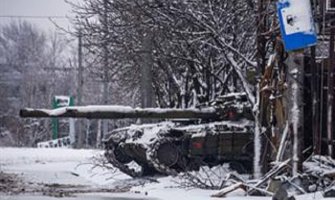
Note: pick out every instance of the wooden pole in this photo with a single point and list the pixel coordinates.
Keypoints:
(105, 92)
(315, 104)
(330, 96)
(79, 133)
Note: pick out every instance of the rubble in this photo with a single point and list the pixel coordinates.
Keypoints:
(330, 192)
(318, 175)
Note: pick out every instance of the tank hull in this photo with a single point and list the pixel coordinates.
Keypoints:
(172, 148)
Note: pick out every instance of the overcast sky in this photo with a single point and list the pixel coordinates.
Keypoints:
(36, 8)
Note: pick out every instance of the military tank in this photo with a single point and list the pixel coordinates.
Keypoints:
(214, 133)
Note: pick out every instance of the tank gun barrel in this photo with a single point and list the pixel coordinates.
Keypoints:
(119, 112)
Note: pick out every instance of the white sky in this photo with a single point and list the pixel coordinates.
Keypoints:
(36, 8)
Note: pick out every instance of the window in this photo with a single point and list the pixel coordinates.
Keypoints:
(330, 5)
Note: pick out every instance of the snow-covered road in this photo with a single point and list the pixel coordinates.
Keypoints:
(51, 173)
(58, 172)
(95, 196)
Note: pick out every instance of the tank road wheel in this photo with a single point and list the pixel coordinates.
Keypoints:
(162, 155)
(121, 156)
(111, 158)
(167, 154)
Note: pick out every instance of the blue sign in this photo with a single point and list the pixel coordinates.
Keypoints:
(296, 24)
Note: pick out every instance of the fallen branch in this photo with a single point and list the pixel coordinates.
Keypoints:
(228, 189)
(263, 191)
(283, 144)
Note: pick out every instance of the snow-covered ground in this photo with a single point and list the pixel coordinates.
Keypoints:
(76, 168)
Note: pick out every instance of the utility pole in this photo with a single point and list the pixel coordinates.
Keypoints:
(80, 68)
(80, 135)
(315, 103)
(146, 63)
(105, 65)
(330, 96)
(315, 86)
(146, 73)
(296, 37)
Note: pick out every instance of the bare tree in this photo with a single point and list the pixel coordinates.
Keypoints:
(199, 50)
(34, 71)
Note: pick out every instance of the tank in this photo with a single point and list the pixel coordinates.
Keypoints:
(214, 133)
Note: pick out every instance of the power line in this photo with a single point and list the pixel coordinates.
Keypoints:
(35, 16)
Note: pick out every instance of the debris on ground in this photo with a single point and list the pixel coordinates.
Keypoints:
(13, 184)
(318, 176)
(10, 183)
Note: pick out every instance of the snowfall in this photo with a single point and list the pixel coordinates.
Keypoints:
(75, 168)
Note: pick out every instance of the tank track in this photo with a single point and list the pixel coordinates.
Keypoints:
(152, 158)
(109, 154)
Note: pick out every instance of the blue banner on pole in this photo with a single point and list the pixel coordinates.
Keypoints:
(296, 24)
